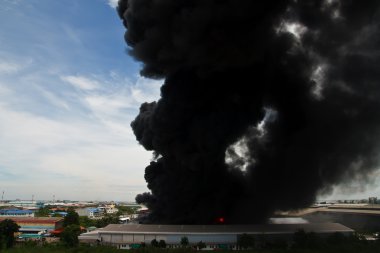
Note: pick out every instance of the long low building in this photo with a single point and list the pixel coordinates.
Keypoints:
(129, 236)
(16, 213)
(36, 224)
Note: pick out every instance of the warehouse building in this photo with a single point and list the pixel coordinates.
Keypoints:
(16, 213)
(214, 236)
(36, 224)
(27, 204)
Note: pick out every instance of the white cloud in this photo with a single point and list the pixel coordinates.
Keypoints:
(116, 103)
(63, 130)
(146, 90)
(108, 104)
(89, 149)
(55, 100)
(4, 91)
(113, 3)
(67, 153)
(81, 82)
(9, 67)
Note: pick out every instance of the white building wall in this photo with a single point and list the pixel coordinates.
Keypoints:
(169, 239)
(111, 210)
(194, 238)
(117, 238)
(161, 237)
(149, 238)
(127, 238)
(138, 238)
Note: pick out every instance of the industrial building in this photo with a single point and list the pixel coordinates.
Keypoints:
(36, 224)
(214, 236)
(108, 209)
(90, 212)
(16, 213)
(27, 204)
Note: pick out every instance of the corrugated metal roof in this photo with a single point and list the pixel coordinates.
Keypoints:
(225, 229)
(359, 211)
(15, 211)
(33, 219)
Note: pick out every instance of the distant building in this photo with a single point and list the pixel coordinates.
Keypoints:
(214, 236)
(36, 224)
(59, 213)
(16, 213)
(108, 209)
(90, 212)
(28, 204)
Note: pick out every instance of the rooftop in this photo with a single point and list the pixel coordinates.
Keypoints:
(225, 229)
(33, 219)
(15, 211)
(347, 210)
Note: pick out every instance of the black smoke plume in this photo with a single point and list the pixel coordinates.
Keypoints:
(265, 103)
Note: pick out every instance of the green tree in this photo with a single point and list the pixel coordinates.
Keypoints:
(86, 222)
(184, 241)
(336, 239)
(127, 210)
(72, 218)
(70, 235)
(306, 240)
(106, 220)
(246, 241)
(154, 243)
(300, 239)
(162, 244)
(7, 230)
(43, 212)
(201, 245)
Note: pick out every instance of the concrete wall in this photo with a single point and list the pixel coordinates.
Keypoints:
(195, 238)
(124, 241)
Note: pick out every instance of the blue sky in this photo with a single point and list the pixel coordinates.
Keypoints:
(68, 92)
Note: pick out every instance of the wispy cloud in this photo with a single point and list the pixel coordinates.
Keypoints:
(146, 90)
(8, 67)
(68, 94)
(72, 34)
(54, 99)
(10, 64)
(81, 82)
(86, 149)
(7, 5)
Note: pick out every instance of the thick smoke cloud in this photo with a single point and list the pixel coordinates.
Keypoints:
(265, 103)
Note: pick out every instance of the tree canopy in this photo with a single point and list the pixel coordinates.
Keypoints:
(72, 218)
(246, 241)
(7, 230)
(70, 235)
(184, 241)
(42, 212)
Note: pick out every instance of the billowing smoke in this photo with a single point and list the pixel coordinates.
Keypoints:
(265, 104)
